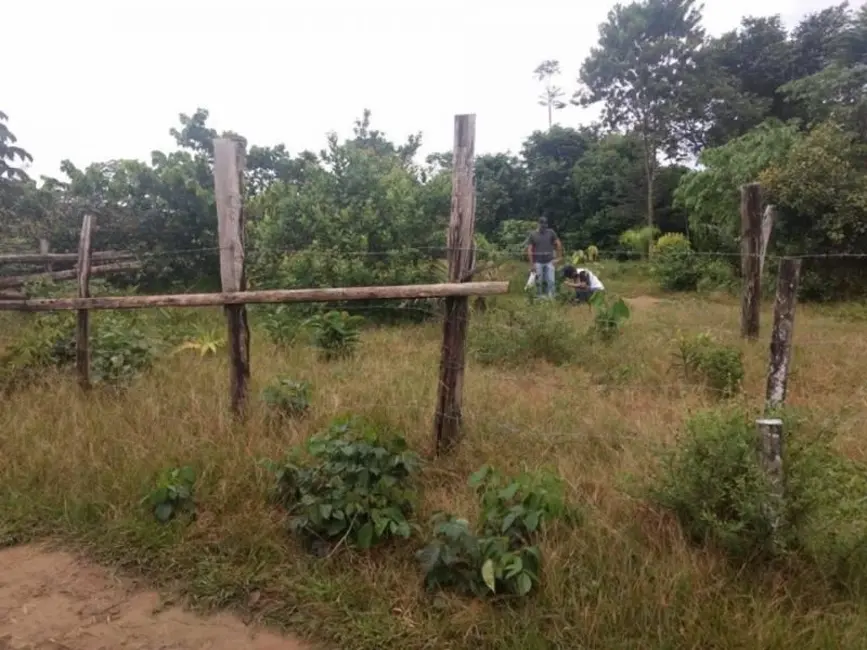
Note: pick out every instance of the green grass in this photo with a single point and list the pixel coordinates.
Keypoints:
(75, 467)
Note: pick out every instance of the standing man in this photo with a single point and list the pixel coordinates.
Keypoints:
(543, 243)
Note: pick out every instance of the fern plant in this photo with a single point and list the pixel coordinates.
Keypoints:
(336, 334)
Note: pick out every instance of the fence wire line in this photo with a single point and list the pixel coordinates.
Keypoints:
(491, 255)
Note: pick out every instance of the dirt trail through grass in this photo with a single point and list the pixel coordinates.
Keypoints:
(52, 601)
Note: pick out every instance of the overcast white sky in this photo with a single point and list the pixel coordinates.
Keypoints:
(94, 80)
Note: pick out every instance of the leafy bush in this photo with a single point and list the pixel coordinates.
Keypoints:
(502, 558)
(355, 485)
(336, 333)
(514, 336)
(639, 240)
(288, 397)
(579, 257)
(719, 366)
(609, 315)
(119, 351)
(674, 264)
(282, 323)
(512, 233)
(592, 253)
(715, 275)
(714, 485)
(173, 493)
(48, 341)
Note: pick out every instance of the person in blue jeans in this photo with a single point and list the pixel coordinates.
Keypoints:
(542, 246)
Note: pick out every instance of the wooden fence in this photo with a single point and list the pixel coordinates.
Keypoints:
(229, 160)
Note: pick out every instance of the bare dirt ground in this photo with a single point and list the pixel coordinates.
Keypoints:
(53, 601)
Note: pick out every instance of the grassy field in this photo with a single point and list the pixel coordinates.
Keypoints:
(74, 469)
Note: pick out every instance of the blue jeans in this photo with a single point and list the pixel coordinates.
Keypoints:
(544, 276)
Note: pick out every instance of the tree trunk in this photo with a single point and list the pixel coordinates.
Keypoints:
(550, 114)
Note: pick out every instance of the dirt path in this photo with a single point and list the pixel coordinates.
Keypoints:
(52, 601)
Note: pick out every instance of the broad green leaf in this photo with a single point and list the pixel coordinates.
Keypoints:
(364, 537)
(489, 576)
(525, 584)
(163, 512)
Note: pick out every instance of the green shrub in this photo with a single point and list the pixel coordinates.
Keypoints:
(609, 314)
(715, 275)
(354, 485)
(713, 484)
(639, 240)
(592, 253)
(514, 336)
(336, 334)
(502, 558)
(720, 367)
(287, 397)
(48, 341)
(674, 264)
(282, 323)
(512, 233)
(173, 493)
(578, 257)
(119, 351)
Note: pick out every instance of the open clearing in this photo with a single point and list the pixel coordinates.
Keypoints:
(75, 469)
(52, 601)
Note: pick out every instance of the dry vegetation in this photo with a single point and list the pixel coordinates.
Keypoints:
(76, 468)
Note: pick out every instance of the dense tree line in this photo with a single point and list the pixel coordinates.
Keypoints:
(760, 103)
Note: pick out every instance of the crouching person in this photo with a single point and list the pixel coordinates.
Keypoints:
(584, 282)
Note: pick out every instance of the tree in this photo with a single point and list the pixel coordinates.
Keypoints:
(645, 72)
(10, 153)
(552, 95)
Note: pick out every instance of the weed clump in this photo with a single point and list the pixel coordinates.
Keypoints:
(720, 367)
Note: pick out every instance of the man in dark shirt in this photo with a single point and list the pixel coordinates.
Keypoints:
(543, 243)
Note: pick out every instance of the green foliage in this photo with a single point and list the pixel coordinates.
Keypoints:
(609, 315)
(119, 351)
(503, 557)
(592, 253)
(720, 367)
(282, 323)
(639, 240)
(674, 264)
(512, 233)
(579, 257)
(205, 342)
(514, 336)
(711, 480)
(336, 334)
(173, 493)
(288, 397)
(711, 196)
(48, 341)
(354, 485)
(716, 275)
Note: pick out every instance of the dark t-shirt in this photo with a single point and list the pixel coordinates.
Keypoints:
(543, 245)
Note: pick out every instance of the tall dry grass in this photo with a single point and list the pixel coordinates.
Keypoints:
(75, 467)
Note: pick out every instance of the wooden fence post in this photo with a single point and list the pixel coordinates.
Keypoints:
(770, 432)
(82, 331)
(228, 170)
(768, 219)
(45, 249)
(781, 336)
(751, 240)
(447, 420)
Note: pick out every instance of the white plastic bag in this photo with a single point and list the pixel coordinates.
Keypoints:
(531, 281)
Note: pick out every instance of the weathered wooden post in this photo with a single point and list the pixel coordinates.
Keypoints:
(82, 331)
(768, 219)
(228, 170)
(781, 336)
(751, 240)
(770, 431)
(447, 420)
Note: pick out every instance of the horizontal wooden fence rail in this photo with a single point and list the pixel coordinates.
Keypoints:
(338, 294)
(15, 281)
(48, 258)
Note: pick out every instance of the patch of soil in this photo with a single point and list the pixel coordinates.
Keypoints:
(53, 601)
(641, 302)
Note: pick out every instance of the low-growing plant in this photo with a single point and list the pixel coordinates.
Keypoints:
(287, 397)
(720, 367)
(119, 351)
(282, 323)
(173, 493)
(592, 253)
(513, 336)
(502, 558)
(712, 482)
(639, 240)
(354, 485)
(336, 334)
(204, 343)
(48, 341)
(579, 257)
(609, 315)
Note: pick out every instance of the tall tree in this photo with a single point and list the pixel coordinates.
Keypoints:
(10, 153)
(552, 96)
(645, 72)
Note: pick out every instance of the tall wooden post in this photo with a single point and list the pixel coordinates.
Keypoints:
(768, 219)
(781, 336)
(228, 170)
(447, 420)
(771, 458)
(751, 241)
(82, 330)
